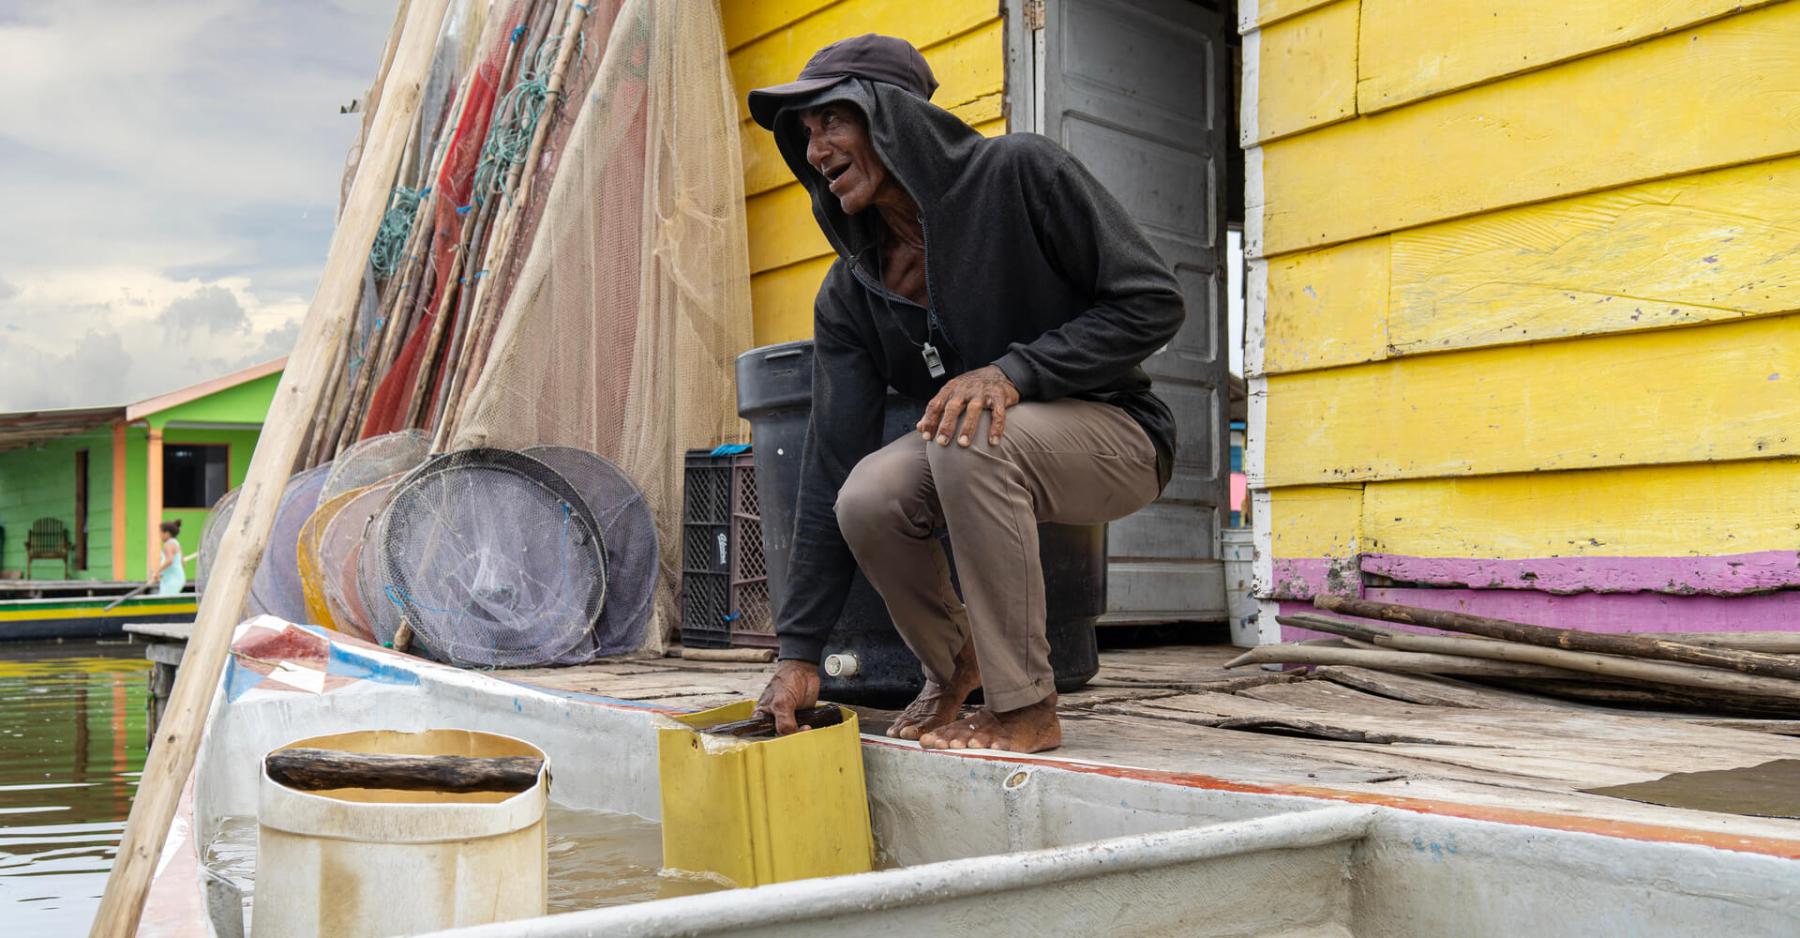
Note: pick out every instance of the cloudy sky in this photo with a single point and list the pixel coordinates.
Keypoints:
(169, 173)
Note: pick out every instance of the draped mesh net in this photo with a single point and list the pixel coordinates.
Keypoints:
(632, 303)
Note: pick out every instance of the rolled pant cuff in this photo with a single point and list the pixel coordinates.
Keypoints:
(1019, 696)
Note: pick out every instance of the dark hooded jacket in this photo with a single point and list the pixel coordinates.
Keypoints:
(1030, 264)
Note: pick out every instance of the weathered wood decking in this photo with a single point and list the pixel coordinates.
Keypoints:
(1173, 714)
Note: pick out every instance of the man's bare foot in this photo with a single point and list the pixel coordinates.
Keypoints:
(1027, 729)
(937, 705)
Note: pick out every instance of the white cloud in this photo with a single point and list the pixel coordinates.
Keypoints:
(170, 172)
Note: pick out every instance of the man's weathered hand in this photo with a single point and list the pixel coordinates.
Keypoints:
(963, 398)
(795, 686)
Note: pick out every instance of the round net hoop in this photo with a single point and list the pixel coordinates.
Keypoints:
(492, 557)
(633, 554)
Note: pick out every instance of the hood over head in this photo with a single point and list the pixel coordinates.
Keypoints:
(923, 146)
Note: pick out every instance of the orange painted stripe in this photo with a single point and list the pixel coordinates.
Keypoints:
(1782, 847)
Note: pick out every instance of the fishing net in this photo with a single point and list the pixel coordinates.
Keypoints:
(628, 530)
(492, 557)
(212, 534)
(340, 550)
(275, 589)
(371, 460)
(633, 302)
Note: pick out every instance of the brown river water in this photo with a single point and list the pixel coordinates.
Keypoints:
(72, 721)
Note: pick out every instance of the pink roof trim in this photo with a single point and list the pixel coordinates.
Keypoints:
(162, 402)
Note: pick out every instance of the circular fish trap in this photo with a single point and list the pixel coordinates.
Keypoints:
(374, 459)
(211, 535)
(633, 555)
(340, 551)
(492, 557)
(312, 572)
(276, 589)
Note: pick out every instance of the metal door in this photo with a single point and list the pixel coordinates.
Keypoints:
(1139, 90)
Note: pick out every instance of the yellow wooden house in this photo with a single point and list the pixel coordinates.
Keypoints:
(1521, 333)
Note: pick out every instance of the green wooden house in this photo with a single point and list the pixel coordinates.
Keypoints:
(112, 475)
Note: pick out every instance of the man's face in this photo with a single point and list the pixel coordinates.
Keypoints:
(838, 146)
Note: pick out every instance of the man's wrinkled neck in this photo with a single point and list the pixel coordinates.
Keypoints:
(899, 215)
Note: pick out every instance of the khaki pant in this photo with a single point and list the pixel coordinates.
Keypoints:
(1066, 462)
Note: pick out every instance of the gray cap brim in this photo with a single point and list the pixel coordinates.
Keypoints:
(765, 103)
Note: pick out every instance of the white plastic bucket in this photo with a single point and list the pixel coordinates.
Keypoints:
(351, 862)
(1240, 599)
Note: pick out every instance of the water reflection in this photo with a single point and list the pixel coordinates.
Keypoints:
(71, 746)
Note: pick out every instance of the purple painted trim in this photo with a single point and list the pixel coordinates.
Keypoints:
(1594, 612)
(1306, 577)
(1728, 575)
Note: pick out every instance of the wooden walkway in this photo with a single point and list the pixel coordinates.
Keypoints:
(1174, 714)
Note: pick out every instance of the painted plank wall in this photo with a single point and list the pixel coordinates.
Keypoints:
(1513, 142)
(1470, 352)
(1307, 74)
(769, 42)
(1703, 247)
(1412, 49)
(40, 483)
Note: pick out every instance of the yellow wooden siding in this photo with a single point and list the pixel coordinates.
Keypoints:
(1254, 13)
(769, 42)
(1701, 509)
(1719, 95)
(1649, 511)
(1411, 49)
(1327, 307)
(1714, 392)
(1316, 521)
(1308, 72)
(1548, 191)
(1706, 247)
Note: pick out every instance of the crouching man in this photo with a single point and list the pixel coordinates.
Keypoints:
(998, 280)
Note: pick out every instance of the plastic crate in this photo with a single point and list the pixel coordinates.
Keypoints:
(725, 584)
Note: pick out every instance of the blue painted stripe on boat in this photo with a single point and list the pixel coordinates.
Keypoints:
(238, 680)
(346, 662)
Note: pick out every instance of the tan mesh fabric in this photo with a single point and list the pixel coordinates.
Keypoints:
(633, 301)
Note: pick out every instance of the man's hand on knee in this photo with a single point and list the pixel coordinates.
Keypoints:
(794, 686)
(963, 399)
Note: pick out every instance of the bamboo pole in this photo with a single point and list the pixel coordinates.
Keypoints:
(171, 759)
(1389, 660)
(1745, 662)
(1615, 667)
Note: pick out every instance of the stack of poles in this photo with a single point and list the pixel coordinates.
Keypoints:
(1744, 673)
(301, 393)
(439, 310)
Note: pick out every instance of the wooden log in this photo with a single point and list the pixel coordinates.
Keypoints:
(1743, 662)
(325, 769)
(1615, 667)
(1775, 643)
(1650, 695)
(171, 759)
(1388, 660)
(745, 655)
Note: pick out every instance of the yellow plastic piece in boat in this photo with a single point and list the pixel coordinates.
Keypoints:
(766, 810)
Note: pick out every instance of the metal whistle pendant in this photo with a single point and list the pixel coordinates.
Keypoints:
(934, 362)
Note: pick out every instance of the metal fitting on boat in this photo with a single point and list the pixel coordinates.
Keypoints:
(841, 665)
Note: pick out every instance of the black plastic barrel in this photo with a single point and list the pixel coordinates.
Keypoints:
(775, 395)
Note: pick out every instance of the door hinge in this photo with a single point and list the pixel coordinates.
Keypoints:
(1034, 14)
